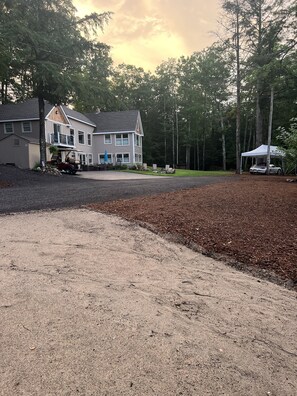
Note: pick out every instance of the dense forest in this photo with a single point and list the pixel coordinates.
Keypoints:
(199, 111)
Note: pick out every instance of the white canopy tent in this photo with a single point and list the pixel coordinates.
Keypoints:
(262, 151)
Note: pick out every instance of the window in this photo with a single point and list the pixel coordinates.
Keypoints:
(137, 140)
(123, 158)
(27, 127)
(82, 159)
(57, 130)
(90, 159)
(89, 140)
(107, 139)
(81, 137)
(71, 138)
(137, 157)
(102, 159)
(8, 127)
(122, 139)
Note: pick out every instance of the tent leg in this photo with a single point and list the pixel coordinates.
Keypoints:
(241, 164)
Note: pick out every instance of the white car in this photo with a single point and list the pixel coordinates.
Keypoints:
(262, 169)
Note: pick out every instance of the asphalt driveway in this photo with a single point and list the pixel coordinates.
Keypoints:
(34, 191)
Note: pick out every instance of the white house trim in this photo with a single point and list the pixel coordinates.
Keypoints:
(83, 122)
(20, 119)
(112, 133)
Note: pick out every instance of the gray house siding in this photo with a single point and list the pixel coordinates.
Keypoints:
(82, 137)
(117, 152)
(18, 129)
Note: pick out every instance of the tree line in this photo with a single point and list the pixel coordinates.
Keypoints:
(199, 111)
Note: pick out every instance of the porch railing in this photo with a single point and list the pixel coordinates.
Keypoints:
(60, 138)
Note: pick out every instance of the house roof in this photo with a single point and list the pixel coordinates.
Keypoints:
(29, 110)
(115, 121)
(77, 116)
(27, 139)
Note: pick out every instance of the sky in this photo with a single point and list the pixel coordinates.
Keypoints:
(145, 33)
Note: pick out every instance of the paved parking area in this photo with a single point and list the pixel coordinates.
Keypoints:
(114, 175)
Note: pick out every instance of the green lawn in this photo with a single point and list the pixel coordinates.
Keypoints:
(181, 173)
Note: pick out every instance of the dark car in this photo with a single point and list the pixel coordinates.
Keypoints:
(66, 167)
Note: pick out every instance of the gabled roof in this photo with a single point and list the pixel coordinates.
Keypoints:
(27, 139)
(115, 121)
(27, 110)
(75, 115)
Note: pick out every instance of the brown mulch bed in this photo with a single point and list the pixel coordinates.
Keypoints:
(250, 223)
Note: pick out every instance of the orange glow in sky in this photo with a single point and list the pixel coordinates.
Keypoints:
(146, 32)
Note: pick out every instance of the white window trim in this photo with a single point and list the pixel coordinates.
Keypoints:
(8, 133)
(90, 156)
(105, 142)
(23, 131)
(122, 140)
(122, 154)
(89, 134)
(58, 127)
(102, 154)
(78, 134)
(86, 158)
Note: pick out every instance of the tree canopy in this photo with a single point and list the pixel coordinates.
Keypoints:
(198, 111)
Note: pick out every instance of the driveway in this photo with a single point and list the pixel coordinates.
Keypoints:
(114, 175)
(35, 191)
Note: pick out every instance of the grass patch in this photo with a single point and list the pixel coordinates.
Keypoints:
(181, 173)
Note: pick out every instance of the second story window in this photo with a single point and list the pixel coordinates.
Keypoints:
(57, 129)
(71, 137)
(8, 127)
(26, 127)
(81, 137)
(107, 139)
(137, 140)
(122, 139)
(89, 139)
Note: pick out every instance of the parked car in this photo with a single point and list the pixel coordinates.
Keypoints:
(262, 169)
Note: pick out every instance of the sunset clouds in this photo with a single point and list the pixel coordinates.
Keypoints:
(146, 32)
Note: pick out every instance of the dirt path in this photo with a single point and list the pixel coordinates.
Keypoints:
(94, 305)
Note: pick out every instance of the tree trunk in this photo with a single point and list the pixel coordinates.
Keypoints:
(198, 154)
(42, 142)
(173, 145)
(177, 143)
(188, 156)
(203, 151)
(238, 92)
(269, 130)
(259, 117)
(223, 142)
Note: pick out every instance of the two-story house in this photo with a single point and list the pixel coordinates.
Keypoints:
(89, 139)
(117, 135)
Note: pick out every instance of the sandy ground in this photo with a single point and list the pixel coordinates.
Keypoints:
(94, 305)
